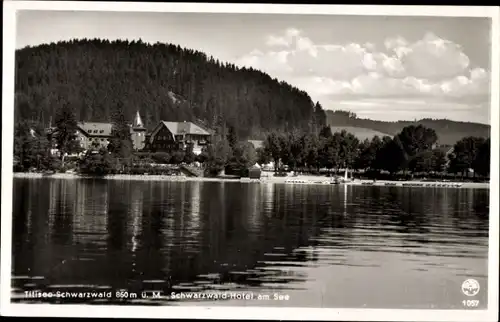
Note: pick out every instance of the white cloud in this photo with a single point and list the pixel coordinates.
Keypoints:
(274, 62)
(286, 39)
(432, 57)
(393, 66)
(292, 32)
(277, 41)
(369, 46)
(304, 44)
(430, 66)
(477, 83)
(394, 43)
(478, 74)
(322, 86)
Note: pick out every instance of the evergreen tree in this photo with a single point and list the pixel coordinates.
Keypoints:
(217, 157)
(66, 127)
(482, 160)
(313, 148)
(262, 156)
(392, 156)
(439, 161)
(96, 162)
(325, 132)
(232, 137)
(349, 149)
(465, 152)
(120, 144)
(366, 155)
(249, 154)
(189, 156)
(422, 162)
(272, 146)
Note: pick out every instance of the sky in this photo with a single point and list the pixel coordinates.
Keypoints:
(380, 67)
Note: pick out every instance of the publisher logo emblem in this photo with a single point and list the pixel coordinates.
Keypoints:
(470, 287)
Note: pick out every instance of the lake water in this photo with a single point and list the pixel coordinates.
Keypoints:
(314, 245)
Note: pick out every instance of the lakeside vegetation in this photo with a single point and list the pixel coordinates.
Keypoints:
(412, 153)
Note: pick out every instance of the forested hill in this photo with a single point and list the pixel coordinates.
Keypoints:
(449, 132)
(162, 81)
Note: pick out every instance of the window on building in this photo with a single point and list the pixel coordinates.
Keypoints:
(101, 131)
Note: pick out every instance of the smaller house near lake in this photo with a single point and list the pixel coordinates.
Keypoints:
(254, 172)
(257, 144)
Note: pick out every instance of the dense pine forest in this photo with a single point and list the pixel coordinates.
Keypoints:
(162, 81)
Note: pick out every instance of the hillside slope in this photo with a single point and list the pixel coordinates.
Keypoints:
(162, 81)
(449, 132)
(360, 132)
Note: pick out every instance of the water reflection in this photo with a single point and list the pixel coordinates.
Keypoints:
(201, 236)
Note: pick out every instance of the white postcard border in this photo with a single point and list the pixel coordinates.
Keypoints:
(9, 37)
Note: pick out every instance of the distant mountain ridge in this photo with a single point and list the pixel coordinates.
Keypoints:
(449, 132)
(359, 132)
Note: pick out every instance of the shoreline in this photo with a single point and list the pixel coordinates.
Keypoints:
(299, 180)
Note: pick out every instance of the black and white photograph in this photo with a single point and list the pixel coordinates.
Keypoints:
(250, 161)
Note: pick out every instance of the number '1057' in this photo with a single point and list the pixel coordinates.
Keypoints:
(470, 303)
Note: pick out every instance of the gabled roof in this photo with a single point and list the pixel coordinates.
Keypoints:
(137, 121)
(95, 128)
(255, 166)
(178, 128)
(445, 149)
(257, 143)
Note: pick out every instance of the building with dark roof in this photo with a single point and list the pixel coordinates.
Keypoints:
(447, 150)
(257, 144)
(93, 134)
(98, 134)
(171, 136)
